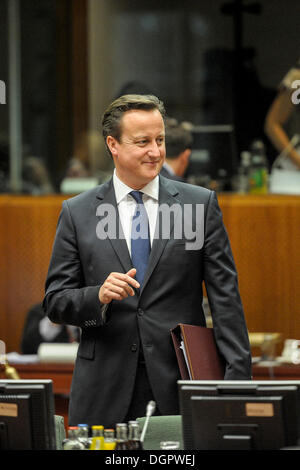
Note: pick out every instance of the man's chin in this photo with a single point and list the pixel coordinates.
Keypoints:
(151, 171)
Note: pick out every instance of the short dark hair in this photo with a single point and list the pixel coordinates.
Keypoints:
(178, 139)
(111, 120)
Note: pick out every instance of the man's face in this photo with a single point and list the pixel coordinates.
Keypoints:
(140, 154)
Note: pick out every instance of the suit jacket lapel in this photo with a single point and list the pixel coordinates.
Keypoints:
(167, 193)
(107, 196)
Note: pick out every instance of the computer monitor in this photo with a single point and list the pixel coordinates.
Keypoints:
(214, 153)
(279, 400)
(27, 415)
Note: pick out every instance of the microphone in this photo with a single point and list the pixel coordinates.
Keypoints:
(149, 412)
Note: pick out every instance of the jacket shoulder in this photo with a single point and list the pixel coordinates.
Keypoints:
(187, 190)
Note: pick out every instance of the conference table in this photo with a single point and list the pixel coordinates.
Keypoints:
(61, 375)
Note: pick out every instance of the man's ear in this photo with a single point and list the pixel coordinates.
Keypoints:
(111, 143)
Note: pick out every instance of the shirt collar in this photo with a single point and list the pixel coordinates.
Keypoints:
(122, 190)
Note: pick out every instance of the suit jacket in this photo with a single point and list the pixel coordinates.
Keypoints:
(106, 364)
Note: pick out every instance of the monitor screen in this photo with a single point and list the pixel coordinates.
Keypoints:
(15, 409)
(198, 401)
(27, 415)
(214, 154)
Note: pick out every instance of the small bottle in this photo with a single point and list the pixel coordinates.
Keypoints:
(83, 435)
(243, 173)
(134, 441)
(121, 437)
(258, 173)
(109, 439)
(72, 442)
(97, 438)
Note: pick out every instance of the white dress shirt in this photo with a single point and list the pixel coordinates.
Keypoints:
(127, 204)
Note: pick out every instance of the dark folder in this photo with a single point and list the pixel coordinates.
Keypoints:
(197, 354)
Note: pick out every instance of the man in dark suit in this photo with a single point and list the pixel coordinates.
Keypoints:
(126, 308)
(178, 141)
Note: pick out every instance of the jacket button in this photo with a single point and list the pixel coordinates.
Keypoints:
(133, 348)
(140, 312)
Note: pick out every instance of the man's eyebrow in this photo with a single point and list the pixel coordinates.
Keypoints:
(147, 136)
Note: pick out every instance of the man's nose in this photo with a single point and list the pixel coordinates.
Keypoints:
(154, 150)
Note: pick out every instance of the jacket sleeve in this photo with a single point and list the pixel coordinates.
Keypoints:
(222, 288)
(67, 299)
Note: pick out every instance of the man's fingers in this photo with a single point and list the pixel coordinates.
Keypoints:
(109, 292)
(128, 277)
(131, 273)
(108, 297)
(118, 286)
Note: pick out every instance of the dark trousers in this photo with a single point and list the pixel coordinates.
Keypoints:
(142, 394)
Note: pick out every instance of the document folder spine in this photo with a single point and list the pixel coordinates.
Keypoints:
(201, 360)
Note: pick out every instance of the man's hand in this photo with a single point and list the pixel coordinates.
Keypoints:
(117, 286)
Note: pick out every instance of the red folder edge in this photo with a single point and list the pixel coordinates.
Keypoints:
(205, 362)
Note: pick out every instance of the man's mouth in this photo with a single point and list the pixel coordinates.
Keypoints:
(152, 162)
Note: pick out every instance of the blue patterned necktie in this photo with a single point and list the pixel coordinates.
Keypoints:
(140, 238)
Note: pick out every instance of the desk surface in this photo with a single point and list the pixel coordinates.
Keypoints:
(276, 372)
(61, 374)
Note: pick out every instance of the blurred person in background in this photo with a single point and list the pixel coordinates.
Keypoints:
(279, 117)
(89, 158)
(178, 150)
(36, 180)
(39, 329)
